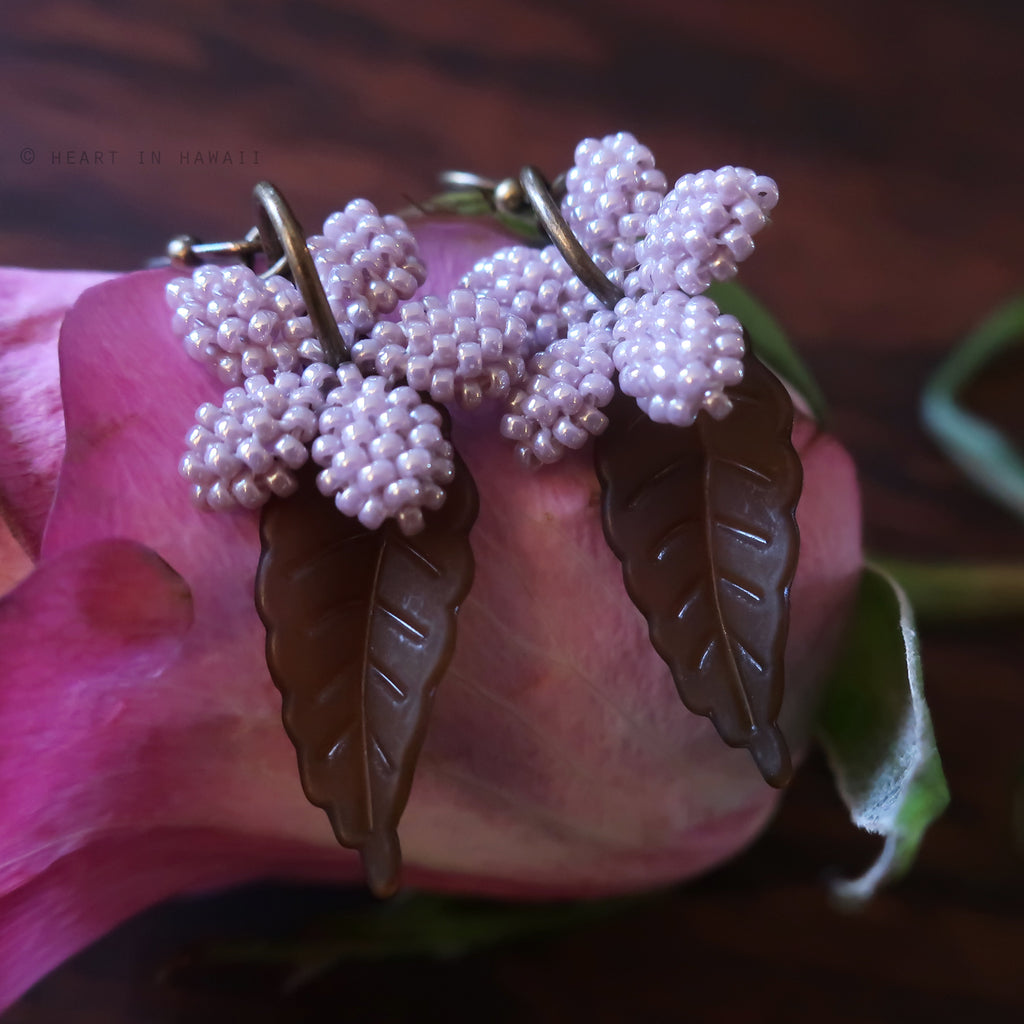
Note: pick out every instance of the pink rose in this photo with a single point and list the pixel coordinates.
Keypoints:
(142, 753)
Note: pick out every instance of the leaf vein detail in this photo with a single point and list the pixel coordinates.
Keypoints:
(427, 564)
(748, 589)
(723, 460)
(688, 602)
(707, 653)
(743, 532)
(375, 666)
(418, 632)
(666, 540)
(651, 482)
(385, 760)
(742, 649)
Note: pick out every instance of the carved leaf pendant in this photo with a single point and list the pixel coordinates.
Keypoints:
(703, 520)
(360, 628)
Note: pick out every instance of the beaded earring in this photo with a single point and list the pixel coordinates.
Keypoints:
(606, 332)
(244, 325)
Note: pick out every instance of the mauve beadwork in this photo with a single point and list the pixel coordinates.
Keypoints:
(520, 329)
(463, 349)
(611, 191)
(246, 450)
(384, 452)
(703, 228)
(367, 264)
(676, 355)
(237, 323)
(568, 383)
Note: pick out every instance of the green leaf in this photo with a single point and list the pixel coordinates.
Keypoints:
(769, 340)
(877, 733)
(981, 451)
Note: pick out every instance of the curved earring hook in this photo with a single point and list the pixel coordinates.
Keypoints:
(282, 238)
(538, 192)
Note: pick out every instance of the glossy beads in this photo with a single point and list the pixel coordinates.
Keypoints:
(465, 348)
(538, 287)
(704, 227)
(676, 355)
(367, 264)
(242, 325)
(611, 191)
(520, 328)
(568, 383)
(244, 451)
(383, 450)
(239, 324)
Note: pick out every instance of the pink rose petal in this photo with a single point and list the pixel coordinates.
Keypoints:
(559, 757)
(32, 305)
(85, 638)
(450, 247)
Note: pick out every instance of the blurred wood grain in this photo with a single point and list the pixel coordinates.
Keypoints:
(894, 131)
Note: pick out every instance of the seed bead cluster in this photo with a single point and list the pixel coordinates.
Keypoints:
(676, 355)
(537, 286)
(383, 451)
(238, 324)
(244, 451)
(611, 191)
(704, 227)
(254, 330)
(567, 385)
(461, 349)
(367, 264)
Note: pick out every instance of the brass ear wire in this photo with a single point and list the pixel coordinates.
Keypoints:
(531, 192)
(278, 235)
(284, 242)
(541, 198)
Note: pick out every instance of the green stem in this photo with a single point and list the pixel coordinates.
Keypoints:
(959, 592)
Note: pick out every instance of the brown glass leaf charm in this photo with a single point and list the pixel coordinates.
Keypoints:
(360, 628)
(703, 520)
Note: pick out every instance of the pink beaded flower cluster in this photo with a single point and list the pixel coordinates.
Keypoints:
(382, 454)
(521, 329)
(673, 349)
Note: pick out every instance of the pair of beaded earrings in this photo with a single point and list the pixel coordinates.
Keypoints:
(614, 306)
(524, 330)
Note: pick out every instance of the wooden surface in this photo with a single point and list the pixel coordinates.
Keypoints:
(893, 129)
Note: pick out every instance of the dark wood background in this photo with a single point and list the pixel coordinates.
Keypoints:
(894, 130)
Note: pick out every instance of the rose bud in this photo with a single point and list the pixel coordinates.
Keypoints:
(142, 752)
